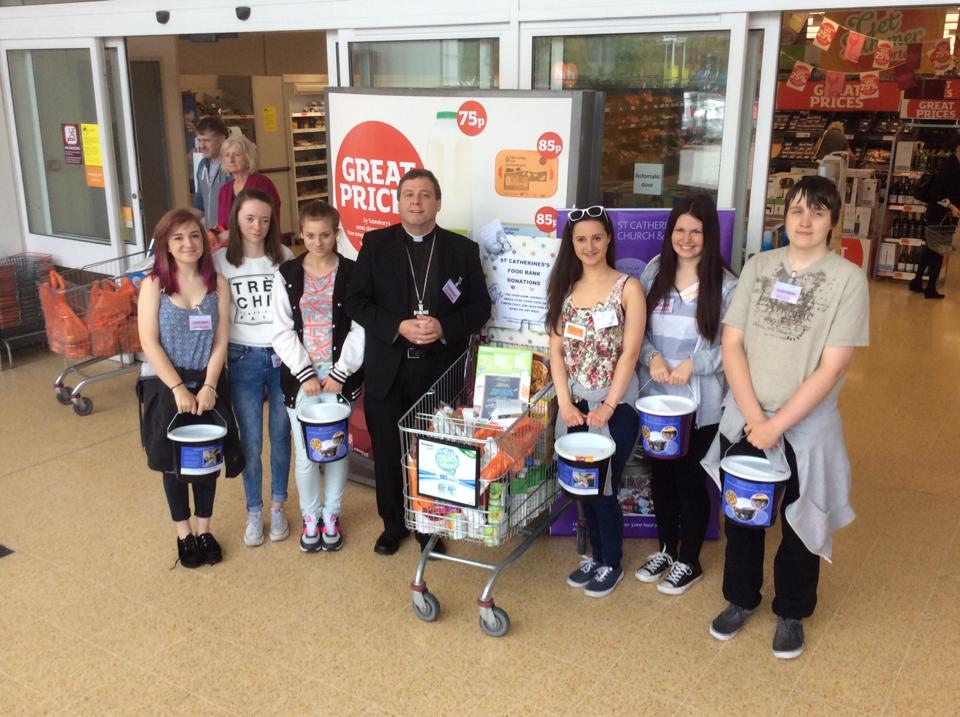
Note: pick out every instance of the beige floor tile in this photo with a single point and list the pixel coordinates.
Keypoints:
(801, 705)
(850, 684)
(18, 700)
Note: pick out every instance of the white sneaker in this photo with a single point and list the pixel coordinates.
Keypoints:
(253, 534)
(279, 527)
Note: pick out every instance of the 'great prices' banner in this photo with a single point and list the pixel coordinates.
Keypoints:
(814, 97)
(498, 156)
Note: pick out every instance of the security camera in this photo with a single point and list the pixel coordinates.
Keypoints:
(163, 16)
(243, 12)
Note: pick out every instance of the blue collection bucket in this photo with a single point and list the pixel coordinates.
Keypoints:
(752, 491)
(666, 423)
(197, 445)
(325, 430)
(583, 460)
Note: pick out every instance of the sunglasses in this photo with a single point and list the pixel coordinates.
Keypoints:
(594, 212)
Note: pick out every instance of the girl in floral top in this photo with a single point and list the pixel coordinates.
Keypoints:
(596, 318)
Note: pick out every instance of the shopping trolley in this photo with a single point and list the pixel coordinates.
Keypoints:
(20, 314)
(476, 480)
(91, 314)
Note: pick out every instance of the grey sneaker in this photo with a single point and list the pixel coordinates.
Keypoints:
(788, 640)
(582, 576)
(728, 623)
(652, 570)
(279, 527)
(253, 533)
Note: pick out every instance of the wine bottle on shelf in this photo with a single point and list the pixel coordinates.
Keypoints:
(896, 227)
(922, 235)
(901, 258)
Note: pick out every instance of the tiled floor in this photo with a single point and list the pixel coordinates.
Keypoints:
(94, 621)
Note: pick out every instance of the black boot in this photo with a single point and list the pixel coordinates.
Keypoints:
(916, 284)
(189, 552)
(210, 551)
(932, 293)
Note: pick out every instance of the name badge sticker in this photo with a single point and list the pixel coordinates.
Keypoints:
(787, 293)
(574, 331)
(605, 319)
(664, 306)
(201, 322)
(275, 360)
(452, 291)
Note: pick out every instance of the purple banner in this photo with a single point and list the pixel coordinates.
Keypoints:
(640, 235)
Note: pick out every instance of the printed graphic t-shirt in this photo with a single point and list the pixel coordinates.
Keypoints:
(316, 308)
(251, 285)
(785, 331)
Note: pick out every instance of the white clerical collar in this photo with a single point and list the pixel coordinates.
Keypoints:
(418, 237)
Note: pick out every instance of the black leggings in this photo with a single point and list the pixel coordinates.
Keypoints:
(680, 498)
(179, 500)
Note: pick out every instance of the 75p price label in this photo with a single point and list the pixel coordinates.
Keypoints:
(550, 145)
(471, 118)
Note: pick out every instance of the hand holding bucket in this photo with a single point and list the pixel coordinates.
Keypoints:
(197, 445)
(666, 423)
(752, 490)
(325, 430)
(583, 461)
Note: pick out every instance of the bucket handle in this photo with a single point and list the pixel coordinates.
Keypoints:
(693, 395)
(173, 420)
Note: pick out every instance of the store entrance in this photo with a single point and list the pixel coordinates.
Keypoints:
(267, 87)
(875, 93)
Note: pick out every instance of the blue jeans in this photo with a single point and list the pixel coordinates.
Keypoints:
(250, 369)
(603, 513)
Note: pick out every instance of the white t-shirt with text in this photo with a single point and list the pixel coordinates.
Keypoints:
(251, 287)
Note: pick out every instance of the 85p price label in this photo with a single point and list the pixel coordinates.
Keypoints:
(545, 219)
(550, 145)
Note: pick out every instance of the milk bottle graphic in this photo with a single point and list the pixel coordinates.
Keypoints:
(448, 157)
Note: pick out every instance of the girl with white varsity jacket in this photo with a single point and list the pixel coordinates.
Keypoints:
(322, 354)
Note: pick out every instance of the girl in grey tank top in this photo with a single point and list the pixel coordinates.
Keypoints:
(188, 348)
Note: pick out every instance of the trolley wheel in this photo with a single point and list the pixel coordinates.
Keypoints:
(500, 625)
(431, 607)
(84, 407)
(63, 395)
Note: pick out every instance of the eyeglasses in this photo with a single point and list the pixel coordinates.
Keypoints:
(594, 212)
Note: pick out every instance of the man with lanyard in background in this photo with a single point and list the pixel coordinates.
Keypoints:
(211, 131)
(419, 292)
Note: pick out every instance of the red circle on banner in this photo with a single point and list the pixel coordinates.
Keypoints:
(546, 219)
(371, 159)
(471, 118)
(549, 145)
(852, 251)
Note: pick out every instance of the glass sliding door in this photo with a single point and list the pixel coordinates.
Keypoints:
(68, 104)
(426, 63)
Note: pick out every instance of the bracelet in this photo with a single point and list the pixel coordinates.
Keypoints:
(609, 406)
(215, 394)
(177, 386)
(652, 357)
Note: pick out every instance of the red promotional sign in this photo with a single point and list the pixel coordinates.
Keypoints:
(951, 89)
(546, 219)
(372, 158)
(471, 118)
(870, 85)
(941, 56)
(550, 145)
(826, 33)
(799, 76)
(835, 84)
(854, 48)
(814, 97)
(931, 109)
(882, 55)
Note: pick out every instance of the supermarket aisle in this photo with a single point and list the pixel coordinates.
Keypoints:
(92, 620)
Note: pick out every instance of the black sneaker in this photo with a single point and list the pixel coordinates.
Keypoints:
(788, 640)
(189, 552)
(681, 578)
(652, 570)
(916, 285)
(728, 623)
(582, 576)
(210, 552)
(604, 581)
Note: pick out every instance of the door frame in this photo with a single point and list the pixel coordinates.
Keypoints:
(75, 251)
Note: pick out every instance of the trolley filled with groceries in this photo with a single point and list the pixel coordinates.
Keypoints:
(478, 461)
(90, 316)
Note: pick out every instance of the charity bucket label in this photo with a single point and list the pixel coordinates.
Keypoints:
(747, 502)
(660, 434)
(201, 459)
(581, 481)
(326, 443)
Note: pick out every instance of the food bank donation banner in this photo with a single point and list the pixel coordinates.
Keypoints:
(639, 235)
(499, 155)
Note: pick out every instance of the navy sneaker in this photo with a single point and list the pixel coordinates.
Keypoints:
(788, 640)
(657, 564)
(582, 576)
(604, 581)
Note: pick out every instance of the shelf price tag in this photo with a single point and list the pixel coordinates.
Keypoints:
(550, 145)
(471, 118)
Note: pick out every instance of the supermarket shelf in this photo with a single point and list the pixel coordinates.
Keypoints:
(899, 275)
(903, 241)
(303, 147)
(306, 130)
(315, 195)
(310, 163)
(909, 208)
(308, 114)
(913, 174)
(312, 178)
(237, 117)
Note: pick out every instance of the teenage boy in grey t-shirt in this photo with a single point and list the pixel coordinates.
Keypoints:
(790, 333)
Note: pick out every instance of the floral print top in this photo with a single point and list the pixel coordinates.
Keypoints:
(592, 360)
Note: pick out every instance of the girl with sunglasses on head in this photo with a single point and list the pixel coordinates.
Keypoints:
(688, 288)
(595, 319)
